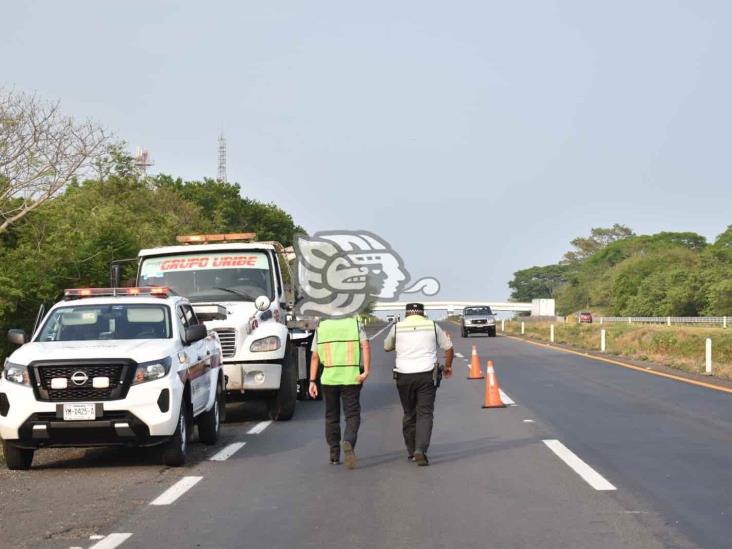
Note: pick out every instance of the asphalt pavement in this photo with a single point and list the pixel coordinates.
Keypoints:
(590, 455)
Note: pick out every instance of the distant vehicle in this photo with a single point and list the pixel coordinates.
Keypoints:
(478, 319)
(585, 317)
(391, 318)
(112, 367)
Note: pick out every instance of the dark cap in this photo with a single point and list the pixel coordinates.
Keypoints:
(415, 308)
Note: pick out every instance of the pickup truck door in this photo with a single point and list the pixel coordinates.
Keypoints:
(199, 360)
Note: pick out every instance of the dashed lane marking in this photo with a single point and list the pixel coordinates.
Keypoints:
(176, 491)
(111, 541)
(528, 421)
(227, 451)
(460, 355)
(590, 476)
(259, 427)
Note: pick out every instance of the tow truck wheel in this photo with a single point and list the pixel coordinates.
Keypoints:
(209, 422)
(18, 459)
(281, 407)
(174, 450)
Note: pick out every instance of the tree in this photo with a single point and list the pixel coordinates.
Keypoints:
(537, 282)
(599, 238)
(41, 151)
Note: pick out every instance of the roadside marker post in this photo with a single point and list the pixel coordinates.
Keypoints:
(708, 357)
(724, 322)
(630, 320)
(523, 328)
(503, 325)
(602, 340)
(668, 321)
(551, 333)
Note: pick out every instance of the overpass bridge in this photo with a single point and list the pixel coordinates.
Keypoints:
(536, 307)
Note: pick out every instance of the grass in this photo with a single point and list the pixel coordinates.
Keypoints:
(680, 347)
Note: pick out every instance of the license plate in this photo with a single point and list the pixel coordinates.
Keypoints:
(79, 412)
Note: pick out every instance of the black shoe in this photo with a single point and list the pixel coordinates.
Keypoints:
(420, 459)
(350, 456)
(335, 462)
(410, 457)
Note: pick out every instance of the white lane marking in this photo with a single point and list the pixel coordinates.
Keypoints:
(176, 491)
(460, 355)
(227, 451)
(592, 477)
(111, 541)
(377, 334)
(96, 537)
(507, 400)
(528, 421)
(259, 427)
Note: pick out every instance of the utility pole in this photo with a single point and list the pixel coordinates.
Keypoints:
(222, 159)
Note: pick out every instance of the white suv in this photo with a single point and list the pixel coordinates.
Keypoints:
(105, 367)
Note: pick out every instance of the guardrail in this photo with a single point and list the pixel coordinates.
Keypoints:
(667, 320)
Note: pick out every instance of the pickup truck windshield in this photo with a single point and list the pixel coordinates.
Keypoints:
(114, 321)
(214, 276)
(477, 311)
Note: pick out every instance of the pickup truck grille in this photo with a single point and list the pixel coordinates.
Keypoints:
(119, 374)
(479, 321)
(227, 336)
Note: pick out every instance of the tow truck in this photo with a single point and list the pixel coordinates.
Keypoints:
(242, 289)
(111, 367)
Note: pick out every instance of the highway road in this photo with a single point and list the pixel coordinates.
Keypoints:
(590, 455)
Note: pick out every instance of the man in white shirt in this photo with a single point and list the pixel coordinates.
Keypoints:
(416, 340)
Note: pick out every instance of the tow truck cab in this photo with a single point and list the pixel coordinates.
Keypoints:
(242, 290)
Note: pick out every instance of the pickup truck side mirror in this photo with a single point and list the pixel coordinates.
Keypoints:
(17, 337)
(194, 333)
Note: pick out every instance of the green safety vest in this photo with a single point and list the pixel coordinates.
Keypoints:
(339, 348)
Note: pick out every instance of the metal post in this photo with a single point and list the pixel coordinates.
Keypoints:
(503, 325)
(708, 357)
(523, 328)
(602, 340)
(668, 321)
(551, 333)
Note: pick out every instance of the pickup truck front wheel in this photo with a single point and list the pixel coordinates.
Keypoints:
(17, 459)
(209, 423)
(281, 406)
(175, 450)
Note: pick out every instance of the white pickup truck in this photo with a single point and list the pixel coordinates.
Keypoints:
(121, 366)
(241, 289)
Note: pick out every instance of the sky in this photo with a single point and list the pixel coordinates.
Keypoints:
(477, 137)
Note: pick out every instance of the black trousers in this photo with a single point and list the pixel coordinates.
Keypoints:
(417, 393)
(350, 397)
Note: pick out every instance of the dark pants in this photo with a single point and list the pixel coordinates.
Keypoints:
(417, 393)
(350, 395)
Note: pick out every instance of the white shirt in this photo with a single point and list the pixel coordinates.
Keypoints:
(416, 350)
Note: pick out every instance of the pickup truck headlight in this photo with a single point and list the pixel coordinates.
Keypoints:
(271, 343)
(16, 373)
(150, 371)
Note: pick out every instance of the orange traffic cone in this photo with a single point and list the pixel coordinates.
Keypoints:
(492, 393)
(475, 371)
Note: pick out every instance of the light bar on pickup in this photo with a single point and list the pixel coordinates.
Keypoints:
(78, 293)
(204, 238)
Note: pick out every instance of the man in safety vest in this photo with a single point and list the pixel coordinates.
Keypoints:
(416, 340)
(339, 344)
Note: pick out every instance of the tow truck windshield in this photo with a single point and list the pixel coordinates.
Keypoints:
(216, 276)
(100, 322)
